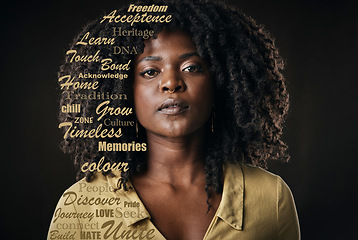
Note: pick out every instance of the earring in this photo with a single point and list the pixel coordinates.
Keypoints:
(212, 121)
(136, 127)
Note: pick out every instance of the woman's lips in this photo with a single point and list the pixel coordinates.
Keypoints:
(173, 106)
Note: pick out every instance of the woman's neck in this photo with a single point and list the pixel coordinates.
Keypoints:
(176, 161)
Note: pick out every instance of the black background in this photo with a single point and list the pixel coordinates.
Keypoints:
(319, 42)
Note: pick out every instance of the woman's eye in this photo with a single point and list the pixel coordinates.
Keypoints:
(193, 68)
(149, 73)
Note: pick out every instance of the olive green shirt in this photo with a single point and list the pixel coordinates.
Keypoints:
(255, 205)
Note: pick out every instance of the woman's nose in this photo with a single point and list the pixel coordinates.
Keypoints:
(172, 82)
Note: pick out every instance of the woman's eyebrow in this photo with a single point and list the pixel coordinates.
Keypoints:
(188, 55)
(150, 58)
(155, 58)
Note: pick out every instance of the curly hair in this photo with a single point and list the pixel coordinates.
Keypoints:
(251, 100)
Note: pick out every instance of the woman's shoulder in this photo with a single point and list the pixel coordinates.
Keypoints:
(252, 173)
(258, 180)
(264, 197)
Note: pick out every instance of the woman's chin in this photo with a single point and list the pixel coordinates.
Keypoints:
(176, 132)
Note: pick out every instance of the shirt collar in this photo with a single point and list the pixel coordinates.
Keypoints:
(232, 201)
(129, 196)
(230, 209)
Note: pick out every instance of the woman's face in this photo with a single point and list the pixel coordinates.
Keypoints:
(173, 91)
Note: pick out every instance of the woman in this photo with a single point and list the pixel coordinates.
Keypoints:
(209, 101)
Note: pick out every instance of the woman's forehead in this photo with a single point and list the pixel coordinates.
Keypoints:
(173, 39)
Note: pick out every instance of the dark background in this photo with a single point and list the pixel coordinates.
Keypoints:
(318, 40)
